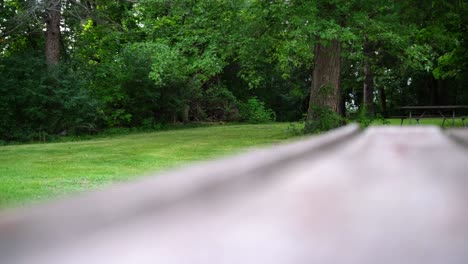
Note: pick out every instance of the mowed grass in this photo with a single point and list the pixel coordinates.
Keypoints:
(41, 171)
(36, 172)
(423, 122)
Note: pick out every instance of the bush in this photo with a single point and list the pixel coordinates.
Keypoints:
(219, 104)
(254, 111)
(323, 119)
(364, 119)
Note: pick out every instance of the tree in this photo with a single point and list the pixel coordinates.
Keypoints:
(325, 93)
(192, 44)
(53, 11)
(325, 96)
(153, 61)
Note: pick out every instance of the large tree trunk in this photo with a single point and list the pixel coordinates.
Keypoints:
(325, 91)
(368, 88)
(52, 48)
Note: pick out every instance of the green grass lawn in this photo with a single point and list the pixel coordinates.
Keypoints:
(40, 171)
(424, 122)
(35, 172)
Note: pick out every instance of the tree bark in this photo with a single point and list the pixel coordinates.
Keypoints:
(368, 90)
(185, 114)
(383, 101)
(325, 91)
(368, 87)
(52, 46)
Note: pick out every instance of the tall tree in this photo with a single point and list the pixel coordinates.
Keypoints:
(325, 95)
(325, 92)
(52, 41)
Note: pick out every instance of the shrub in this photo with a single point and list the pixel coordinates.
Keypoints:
(364, 119)
(254, 111)
(219, 104)
(323, 119)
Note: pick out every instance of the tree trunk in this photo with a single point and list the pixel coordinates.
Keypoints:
(185, 114)
(383, 101)
(325, 91)
(368, 88)
(52, 48)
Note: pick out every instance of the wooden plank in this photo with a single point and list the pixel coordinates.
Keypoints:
(459, 135)
(43, 227)
(386, 195)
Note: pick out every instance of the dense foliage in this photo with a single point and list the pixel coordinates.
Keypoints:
(147, 62)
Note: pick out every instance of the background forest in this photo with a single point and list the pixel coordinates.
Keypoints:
(76, 66)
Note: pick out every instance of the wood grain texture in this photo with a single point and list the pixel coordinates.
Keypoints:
(384, 195)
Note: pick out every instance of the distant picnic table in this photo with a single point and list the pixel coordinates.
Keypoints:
(431, 111)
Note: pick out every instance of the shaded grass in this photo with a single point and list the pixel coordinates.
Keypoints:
(40, 171)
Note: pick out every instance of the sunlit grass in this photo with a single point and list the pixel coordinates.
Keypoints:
(40, 171)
